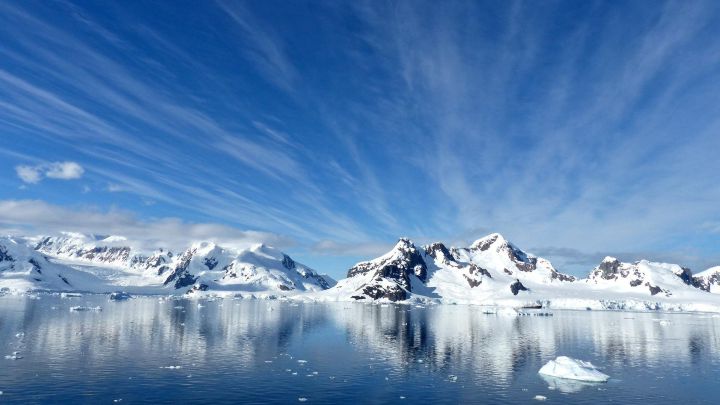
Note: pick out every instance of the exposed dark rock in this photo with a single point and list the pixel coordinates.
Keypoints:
(609, 268)
(288, 262)
(180, 275)
(392, 293)
(283, 287)
(210, 262)
(36, 265)
(653, 289)
(485, 245)
(686, 275)
(635, 283)
(562, 277)
(4, 255)
(437, 249)
(477, 269)
(516, 287)
(472, 282)
(64, 279)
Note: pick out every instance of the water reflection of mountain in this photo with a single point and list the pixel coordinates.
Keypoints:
(444, 340)
(489, 346)
(179, 329)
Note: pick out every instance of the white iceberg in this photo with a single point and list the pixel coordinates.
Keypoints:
(573, 369)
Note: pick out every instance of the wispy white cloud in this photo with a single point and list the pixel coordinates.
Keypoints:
(262, 46)
(34, 217)
(54, 170)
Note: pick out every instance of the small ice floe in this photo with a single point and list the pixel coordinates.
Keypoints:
(402, 397)
(13, 356)
(70, 295)
(1, 392)
(573, 369)
(268, 361)
(452, 378)
(302, 361)
(20, 335)
(172, 367)
(539, 397)
(81, 309)
(201, 306)
(119, 296)
(302, 399)
(117, 400)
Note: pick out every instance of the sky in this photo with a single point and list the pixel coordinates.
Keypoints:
(330, 129)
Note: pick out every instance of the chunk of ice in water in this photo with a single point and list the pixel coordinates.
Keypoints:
(573, 369)
(539, 397)
(82, 309)
(13, 356)
(302, 399)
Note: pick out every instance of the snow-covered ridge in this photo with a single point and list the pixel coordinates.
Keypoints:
(489, 268)
(708, 280)
(493, 271)
(111, 264)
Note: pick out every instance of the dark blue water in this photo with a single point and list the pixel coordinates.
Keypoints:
(278, 352)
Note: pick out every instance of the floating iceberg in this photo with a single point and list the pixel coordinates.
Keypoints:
(573, 369)
(119, 296)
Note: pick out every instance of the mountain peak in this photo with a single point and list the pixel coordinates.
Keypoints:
(485, 242)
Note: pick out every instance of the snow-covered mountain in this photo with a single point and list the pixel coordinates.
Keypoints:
(491, 268)
(203, 266)
(642, 276)
(23, 269)
(492, 271)
(708, 280)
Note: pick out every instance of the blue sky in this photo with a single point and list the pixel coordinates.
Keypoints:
(329, 129)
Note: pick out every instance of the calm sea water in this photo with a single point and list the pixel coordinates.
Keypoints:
(176, 351)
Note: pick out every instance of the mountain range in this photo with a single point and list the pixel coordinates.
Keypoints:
(491, 271)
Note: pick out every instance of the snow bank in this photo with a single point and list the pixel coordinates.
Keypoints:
(573, 369)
